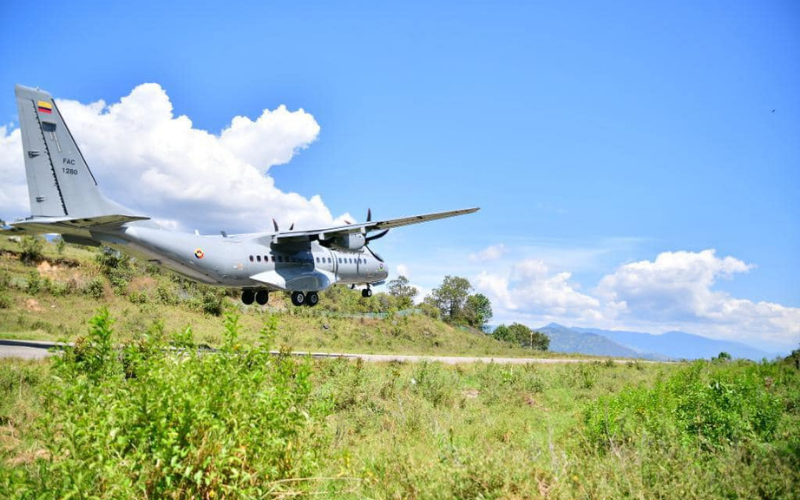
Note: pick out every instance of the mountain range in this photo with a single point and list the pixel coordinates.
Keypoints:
(624, 344)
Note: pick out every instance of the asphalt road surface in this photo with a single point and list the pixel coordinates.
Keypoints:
(30, 349)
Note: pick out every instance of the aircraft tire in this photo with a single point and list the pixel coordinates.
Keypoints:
(366, 293)
(247, 297)
(262, 297)
(298, 298)
(312, 299)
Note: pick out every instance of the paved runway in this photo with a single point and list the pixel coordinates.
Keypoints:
(30, 349)
(25, 349)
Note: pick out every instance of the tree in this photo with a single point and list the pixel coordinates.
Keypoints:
(522, 335)
(724, 356)
(403, 291)
(478, 310)
(451, 297)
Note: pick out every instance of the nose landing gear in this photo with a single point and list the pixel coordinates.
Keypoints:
(367, 292)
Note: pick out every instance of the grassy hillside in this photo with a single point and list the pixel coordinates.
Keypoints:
(52, 298)
(243, 424)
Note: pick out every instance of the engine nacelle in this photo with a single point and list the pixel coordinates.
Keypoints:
(351, 241)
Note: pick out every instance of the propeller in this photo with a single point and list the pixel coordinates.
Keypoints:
(277, 230)
(368, 239)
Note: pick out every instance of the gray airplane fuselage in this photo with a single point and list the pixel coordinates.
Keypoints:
(232, 261)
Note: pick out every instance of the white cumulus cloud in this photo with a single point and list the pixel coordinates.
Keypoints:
(531, 288)
(152, 161)
(490, 253)
(677, 289)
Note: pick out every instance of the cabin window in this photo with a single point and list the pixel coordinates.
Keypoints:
(266, 258)
(340, 260)
(251, 258)
(258, 258)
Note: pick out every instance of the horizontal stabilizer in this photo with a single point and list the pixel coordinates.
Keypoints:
(45, 225)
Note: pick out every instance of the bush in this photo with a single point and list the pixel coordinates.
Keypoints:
(34, 282)
(5, 280)
(95, 288)
(116, 266)
(147, 422)
(213, 302)
(5, 301)
(31, 249)
(713, 404)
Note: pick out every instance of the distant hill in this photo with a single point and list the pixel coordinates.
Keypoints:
(678, 344)
(563, 339)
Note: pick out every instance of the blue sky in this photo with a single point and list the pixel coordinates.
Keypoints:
(593, 136)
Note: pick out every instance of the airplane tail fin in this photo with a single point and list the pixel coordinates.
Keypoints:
(59, 180)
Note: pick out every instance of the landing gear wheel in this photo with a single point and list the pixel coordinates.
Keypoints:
(262, 297)
(298, 298)
(312, 299)
(247, 297)
(366, 293)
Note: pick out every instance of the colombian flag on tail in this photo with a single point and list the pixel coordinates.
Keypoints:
(44, 107)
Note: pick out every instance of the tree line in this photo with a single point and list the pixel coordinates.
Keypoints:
(454, 303)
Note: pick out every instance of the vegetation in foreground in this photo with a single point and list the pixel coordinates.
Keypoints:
(155, 419)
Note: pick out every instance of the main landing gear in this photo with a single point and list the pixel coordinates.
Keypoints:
(367, 292)
(260, 296)
(305, 299)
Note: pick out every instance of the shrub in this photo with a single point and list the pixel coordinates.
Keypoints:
(60, 245)
(94, 288)
(152, 423)
(116, 266)
(31, 249)
(5, 280)
(710, 403)
(34, 282)
(213, 302)
(5, 301)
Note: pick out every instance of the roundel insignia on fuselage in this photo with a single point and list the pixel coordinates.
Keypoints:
(199, 253)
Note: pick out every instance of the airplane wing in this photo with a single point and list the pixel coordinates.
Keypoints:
(362, 228)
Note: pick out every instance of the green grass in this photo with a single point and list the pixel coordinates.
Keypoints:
(147, 423)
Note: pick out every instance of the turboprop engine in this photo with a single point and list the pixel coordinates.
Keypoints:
(351, 241)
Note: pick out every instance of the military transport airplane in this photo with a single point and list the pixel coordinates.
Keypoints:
(65, 199)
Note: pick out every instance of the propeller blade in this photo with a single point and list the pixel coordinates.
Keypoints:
(291, 228)
(275, 225)
(377, 236)
(369, 215)
(374, 254)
